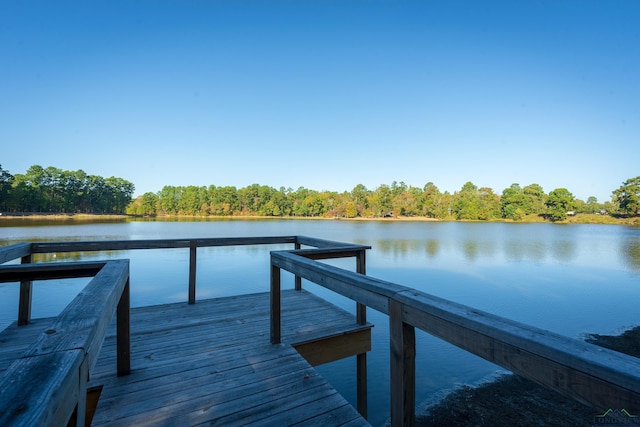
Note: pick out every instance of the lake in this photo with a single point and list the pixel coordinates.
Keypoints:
(570, 279)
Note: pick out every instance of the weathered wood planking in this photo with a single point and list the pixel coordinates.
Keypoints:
(47, 271)
(213, 363)
(42, 390)
(11, 252)
(46, 247)
(15, 340)
(48, 380)
(590, 374)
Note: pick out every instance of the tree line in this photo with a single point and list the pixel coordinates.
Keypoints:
(397, 199)
(53, 190)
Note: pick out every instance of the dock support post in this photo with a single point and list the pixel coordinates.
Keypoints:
(193, 249)
(123, 333)
(81, 409)
(402, 337)
(275, 304)
(298, 279)
(361, 359)
(26, 290)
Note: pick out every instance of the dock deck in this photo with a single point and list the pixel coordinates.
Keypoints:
(249, 359)
(213, 363)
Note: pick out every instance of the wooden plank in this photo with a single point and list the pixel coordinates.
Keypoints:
(195, 364)
(275, 305)
(42, 390)
(402, 368)
(297, 280)
(330, 349)
(362, 399)
(193, 255)
(590, 374)
(366, 290)
(298, 324)
(90, 246)
(604, 380)
(48, 382)
(323, 243)
(83, 323)
(184, 397)
(221, 372)
(24, 301)
(225, 371)
(329, 253)
(310, 399)
(46, 271)
(15, 340)
(11, 252)
(123, 332)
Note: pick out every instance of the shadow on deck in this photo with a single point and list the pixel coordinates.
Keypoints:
(213, 363)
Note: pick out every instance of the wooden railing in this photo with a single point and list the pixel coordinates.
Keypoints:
(593, 375)
(25, 252)
(49, 381)
(598, 377)
(52, 399)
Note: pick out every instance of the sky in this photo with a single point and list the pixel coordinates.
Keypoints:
(325, 94)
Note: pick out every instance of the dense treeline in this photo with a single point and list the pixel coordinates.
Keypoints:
(54, 190)
(397, 199)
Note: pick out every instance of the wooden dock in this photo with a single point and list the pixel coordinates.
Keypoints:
(212, 362)
(249, 359)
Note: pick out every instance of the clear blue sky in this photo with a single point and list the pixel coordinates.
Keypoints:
(325, 94)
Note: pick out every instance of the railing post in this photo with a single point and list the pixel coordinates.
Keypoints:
(193, 249)
(123, 334)
(402, 338)
(275, 304)
(298, 279)
(26, 290)
(361, 359)
(81, 410)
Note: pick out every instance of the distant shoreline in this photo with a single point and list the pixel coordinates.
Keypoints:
(577, 219)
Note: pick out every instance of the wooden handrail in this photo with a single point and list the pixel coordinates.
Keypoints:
(108, 245)
(11, 252)
(75, 355)
(588, 373)
(593, 375)
(26, 250)
(63, 355)
(340, 251)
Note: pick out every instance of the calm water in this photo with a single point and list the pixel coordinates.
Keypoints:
(570, 279)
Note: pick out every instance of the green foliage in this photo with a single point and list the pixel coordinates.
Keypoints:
(56, 190)
(628, 196)
(350, 210)
(472, 203)
(517, 202)
(6, 180)
(513, 202)
(535, 199)
(559, 203)
(145, 205)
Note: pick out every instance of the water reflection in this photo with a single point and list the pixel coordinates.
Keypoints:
(59, 220)
(563, 250)
(400, 247)
(471, 250)
(432, 248)
(631, 253)
(518, 250)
